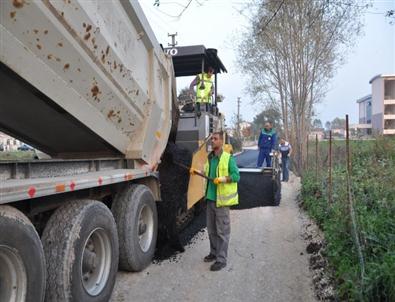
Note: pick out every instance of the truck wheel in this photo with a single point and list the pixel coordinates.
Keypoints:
(135, 212)
(81, 247)
(22, 262)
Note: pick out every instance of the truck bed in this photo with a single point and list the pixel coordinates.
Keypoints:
(84, 79)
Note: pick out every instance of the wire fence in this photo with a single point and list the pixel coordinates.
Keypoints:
(348, 187)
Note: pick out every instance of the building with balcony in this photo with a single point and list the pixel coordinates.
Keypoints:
(383, 104)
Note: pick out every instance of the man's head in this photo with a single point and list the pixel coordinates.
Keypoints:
(217, 140)
(282, 141)
(268, 126)
(210, 71)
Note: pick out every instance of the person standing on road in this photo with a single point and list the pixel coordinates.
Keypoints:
(221, 193)
(286, 151)
(204, 83)
(266, 144)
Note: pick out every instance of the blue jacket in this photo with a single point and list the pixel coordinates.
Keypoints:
(267, 140)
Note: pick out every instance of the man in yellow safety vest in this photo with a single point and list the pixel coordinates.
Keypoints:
(221, 193)
(204, 83)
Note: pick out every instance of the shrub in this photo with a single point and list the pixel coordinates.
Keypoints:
(373, 192)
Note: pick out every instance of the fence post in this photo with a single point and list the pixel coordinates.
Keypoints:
(307, 153)
(316, 157)
(354, 227)
(348, 160)
(330, 168)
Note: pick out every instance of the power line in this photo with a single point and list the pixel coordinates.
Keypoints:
(164, 24)
(185, 7)
(272, 17)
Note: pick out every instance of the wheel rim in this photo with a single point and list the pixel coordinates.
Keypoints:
(13, 278)
(146, 228)
(96, 262)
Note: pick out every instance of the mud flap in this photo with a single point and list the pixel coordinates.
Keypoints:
(258, 188)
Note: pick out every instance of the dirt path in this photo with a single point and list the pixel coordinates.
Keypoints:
(267, 262)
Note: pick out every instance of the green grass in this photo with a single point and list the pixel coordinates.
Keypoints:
(373, 187)
(16, 155)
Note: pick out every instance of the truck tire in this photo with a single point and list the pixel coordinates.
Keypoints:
(22, 261)
(135, 212)
(81, 246)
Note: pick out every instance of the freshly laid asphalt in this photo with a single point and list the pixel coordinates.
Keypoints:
(247, 159)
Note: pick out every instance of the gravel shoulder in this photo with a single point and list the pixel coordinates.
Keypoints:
(267, 262)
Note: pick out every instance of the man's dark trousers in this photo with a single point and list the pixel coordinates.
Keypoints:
(218, 227)
(264, 154)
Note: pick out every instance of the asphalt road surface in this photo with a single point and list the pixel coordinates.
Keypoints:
(247, 159)
(267, 262)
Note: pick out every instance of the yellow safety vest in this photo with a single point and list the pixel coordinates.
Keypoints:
(226, 192)
(203, 95)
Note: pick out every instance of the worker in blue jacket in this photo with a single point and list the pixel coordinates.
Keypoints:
(266, 144)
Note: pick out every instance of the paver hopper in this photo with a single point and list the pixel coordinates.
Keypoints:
(259, 186)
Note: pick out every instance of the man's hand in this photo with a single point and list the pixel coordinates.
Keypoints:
(194, 171)
(222, 179)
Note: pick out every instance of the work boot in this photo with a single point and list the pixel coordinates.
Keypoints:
(217, 266)
(209, 258)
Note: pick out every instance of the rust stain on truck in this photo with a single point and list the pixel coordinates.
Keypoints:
(95, 91)
(111, 114)
(18, 3)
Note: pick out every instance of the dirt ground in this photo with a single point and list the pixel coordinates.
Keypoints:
(267, 262)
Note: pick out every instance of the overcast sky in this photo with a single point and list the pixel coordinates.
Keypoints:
(223, 24)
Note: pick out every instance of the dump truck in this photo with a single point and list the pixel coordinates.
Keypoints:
(88, 84)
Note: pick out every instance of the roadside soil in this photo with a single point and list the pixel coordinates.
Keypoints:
(267, 262)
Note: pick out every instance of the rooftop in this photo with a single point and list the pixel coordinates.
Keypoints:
(382, 76)
(365, 98)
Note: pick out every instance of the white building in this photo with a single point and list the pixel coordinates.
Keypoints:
(365, 109)
(383, 104)
(318, 133)
(9, 143)
(364, 125)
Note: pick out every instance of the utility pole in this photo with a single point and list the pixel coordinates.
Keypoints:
(238, 117)
(173, 40)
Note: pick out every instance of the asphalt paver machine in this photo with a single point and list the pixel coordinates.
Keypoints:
(258, 186)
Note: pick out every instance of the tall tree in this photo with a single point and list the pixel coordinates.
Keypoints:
(338, 123)
(290, 52)
(268, 114)
(317, 123)
(328, 125)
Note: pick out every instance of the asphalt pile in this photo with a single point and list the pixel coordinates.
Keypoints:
(323, 281)
(174, 186)
(189, 236)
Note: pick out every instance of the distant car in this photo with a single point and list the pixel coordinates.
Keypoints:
(25, 147)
